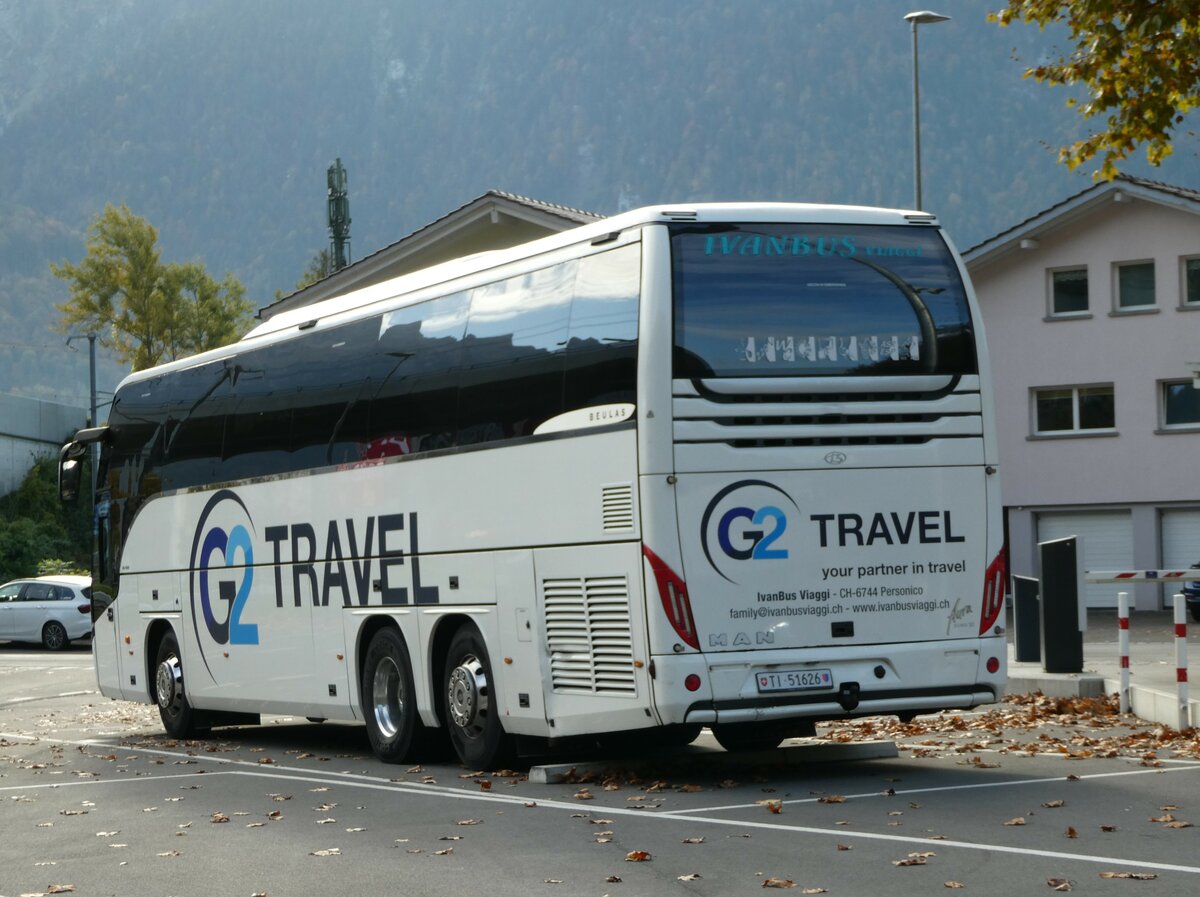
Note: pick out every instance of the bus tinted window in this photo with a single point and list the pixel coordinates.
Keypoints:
(817, 300)
(414, 407)
(512, 355)
(601, 356)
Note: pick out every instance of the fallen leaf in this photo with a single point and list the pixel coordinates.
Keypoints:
(469, 822)
(778, 883)
(813, 891)
(831, 799)
(1136, 876)
(443, 853)
(1178, 824)
(1020, 820)
(911, 861)
(1071, 833)
(955, 885)
(691, 876)
(844, 847)
(219, 817)
(1053, 804)
(170, 853)
(60, 889)
(613, 879)
(1108, 828)
(584, 794)
(691, 789)
(328, 852)
(637, 856)
(1059, 884)
(699, 840)
(552, 881)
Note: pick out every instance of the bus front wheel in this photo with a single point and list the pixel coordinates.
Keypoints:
(471, 712)
(179, 718)
(389, 697)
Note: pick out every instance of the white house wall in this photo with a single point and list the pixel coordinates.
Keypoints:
(1140, 467)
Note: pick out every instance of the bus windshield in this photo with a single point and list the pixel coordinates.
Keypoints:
(754, 300)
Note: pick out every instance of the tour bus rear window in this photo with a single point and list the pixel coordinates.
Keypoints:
(799, 300)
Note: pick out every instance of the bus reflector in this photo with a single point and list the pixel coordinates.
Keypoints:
(993, 593)
(692, 682)
(673, 593)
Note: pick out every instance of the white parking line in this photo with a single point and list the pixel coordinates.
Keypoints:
(1194, 767)
(354, 780)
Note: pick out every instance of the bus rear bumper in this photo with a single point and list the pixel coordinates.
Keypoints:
(866, 680)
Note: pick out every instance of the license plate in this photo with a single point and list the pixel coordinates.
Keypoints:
(794, 680)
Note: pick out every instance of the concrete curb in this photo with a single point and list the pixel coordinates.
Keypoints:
(788, 755)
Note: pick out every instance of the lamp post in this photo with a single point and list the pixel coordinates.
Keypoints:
(91, 338)
(924, 17)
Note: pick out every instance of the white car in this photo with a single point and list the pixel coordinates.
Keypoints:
(52, 610)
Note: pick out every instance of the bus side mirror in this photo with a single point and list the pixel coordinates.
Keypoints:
(70, 471)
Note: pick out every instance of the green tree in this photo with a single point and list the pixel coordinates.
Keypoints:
(1136, 61)
(36, 529)
(145, 310)
(319, 268)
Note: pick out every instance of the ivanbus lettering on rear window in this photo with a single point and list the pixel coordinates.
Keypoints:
(799, 245)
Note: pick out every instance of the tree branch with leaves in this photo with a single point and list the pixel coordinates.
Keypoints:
(1138, 63)
(145, 310)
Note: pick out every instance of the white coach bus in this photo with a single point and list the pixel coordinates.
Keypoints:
(717, 465)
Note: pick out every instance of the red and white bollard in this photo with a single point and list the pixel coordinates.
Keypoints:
(1123, 646)
(1181, 672)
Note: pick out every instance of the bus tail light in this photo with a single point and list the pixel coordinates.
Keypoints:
(993, 593)
(672, 591)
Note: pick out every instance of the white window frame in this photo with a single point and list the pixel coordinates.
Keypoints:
(1163, 425)
(1076, 430)
(1120, 309)
(1052, 313)
(1184, 303)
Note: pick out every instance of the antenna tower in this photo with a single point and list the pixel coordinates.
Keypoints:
(339, 216)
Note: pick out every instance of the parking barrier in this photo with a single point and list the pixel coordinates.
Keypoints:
(1123, 646)
(1181, 665)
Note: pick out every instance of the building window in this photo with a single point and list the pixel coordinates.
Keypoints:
(1135, 286)
(1068, 292)
(1180, 405)
(1074, 409)
(1190, 277)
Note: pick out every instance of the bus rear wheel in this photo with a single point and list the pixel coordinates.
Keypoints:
(470, 710)
(179, 718)
(389, 697)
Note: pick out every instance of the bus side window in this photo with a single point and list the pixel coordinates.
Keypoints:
(601, 357)
(512, 355)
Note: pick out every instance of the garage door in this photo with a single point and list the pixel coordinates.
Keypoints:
(1180, 542)
(1106, 540)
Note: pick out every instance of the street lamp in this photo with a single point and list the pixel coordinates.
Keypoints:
(924, 17)
(91, 338)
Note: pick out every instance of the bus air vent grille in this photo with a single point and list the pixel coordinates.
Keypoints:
(588, 635)
(616, 504)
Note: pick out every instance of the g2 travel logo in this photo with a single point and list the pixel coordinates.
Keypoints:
(222, 565)
(746, 521)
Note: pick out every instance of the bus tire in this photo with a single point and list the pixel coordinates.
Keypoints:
(750, 736)
(389, 697)
(179, 718)
(470, 708)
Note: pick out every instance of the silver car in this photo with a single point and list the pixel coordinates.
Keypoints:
(52, 610)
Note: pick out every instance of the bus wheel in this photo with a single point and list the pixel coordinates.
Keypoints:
(471, 714)
(389, 697)
(179, 719)
(749, 736)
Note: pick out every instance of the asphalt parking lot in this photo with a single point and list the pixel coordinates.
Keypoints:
(1030, 796)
